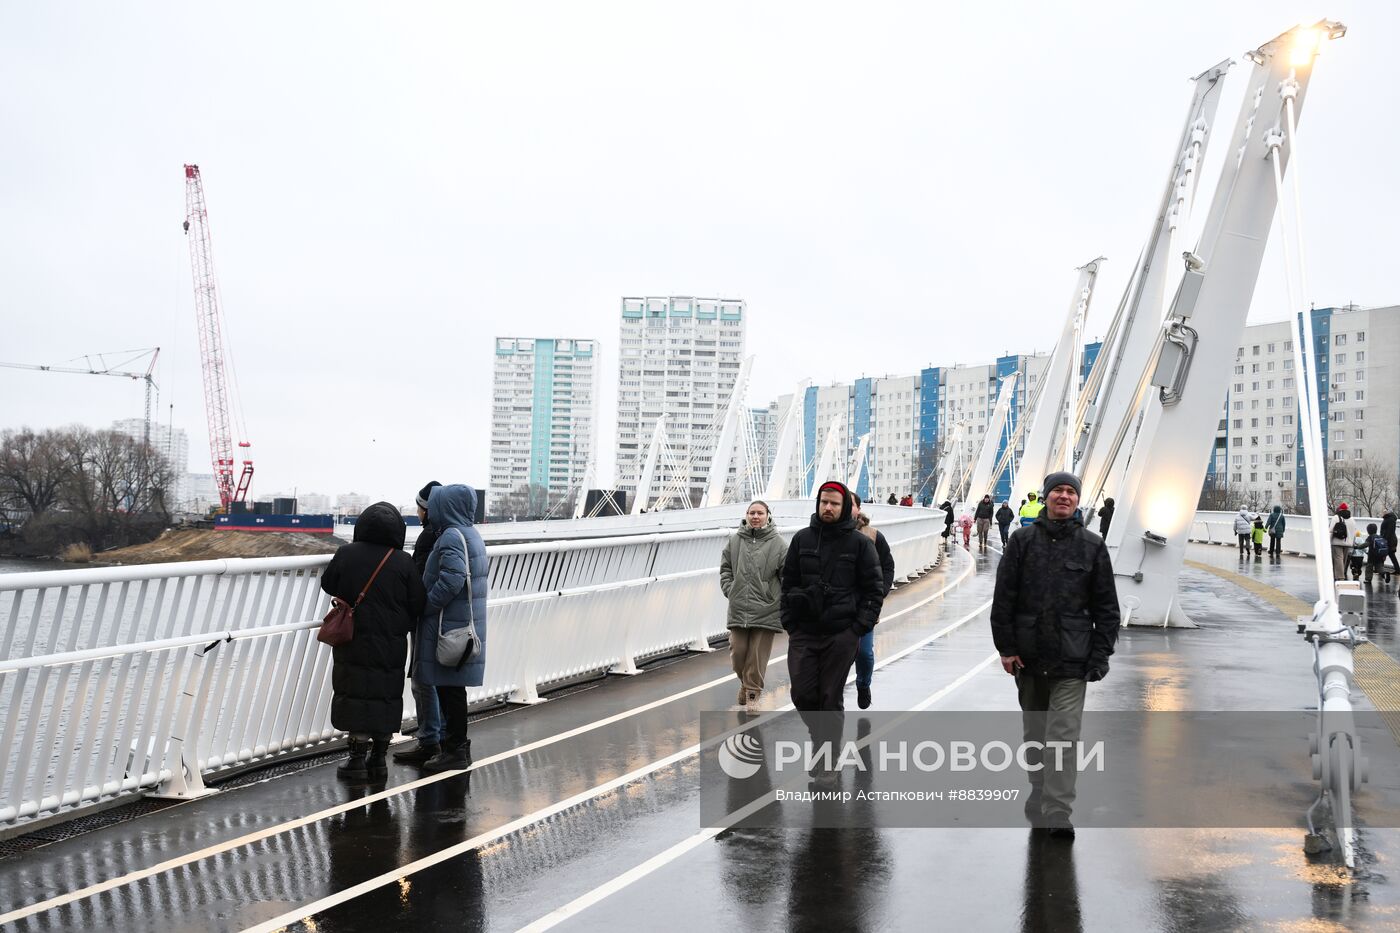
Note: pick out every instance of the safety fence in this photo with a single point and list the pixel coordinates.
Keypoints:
(1219, 528)
(119, 680)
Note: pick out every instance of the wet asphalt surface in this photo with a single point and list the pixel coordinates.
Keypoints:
(1245, 656)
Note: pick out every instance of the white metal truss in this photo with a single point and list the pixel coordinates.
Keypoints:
(1197, 349)
(826, 464)
(981, 481)
(789, 442)
(859, 463)
(723, 455)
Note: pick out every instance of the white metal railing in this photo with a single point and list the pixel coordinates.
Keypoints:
(116, 680)
(1219, 528)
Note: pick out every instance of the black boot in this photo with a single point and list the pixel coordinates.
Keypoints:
(354, 767)
(452, 759)
(375, 766)
(418, 754)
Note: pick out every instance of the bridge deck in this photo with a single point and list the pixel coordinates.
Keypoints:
(569, 797)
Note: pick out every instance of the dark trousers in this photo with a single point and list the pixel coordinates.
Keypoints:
(1393, 561)
(1005, 532)
(1246, 542)
(818, 666)
(1275, 545)
(453, 702)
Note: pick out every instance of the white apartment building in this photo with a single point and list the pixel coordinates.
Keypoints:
(543, 414)
(174, 445)
(679, 357)
(1257, 457)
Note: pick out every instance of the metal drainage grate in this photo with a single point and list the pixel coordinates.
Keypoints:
(58, 832)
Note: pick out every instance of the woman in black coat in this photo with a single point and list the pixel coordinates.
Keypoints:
(1105, 517)
(368, 676)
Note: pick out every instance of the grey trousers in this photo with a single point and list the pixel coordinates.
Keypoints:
(1339, 562)
(1052, 710)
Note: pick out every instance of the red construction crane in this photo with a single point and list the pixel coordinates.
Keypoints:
(214, 355)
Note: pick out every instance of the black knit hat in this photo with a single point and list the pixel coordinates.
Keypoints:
(425, 492)
(1062, 478)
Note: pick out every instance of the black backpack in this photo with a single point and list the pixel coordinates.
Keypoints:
(1339, 530)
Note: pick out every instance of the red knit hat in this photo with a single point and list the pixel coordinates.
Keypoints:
(1343, 505)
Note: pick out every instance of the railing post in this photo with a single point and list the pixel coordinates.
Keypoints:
(186, 780)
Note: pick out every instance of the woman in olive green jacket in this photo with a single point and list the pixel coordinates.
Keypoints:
(750, 571)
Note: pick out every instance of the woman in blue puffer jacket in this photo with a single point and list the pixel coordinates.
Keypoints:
(458, 555)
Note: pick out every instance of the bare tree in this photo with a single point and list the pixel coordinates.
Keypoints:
(1368, 486)
(33, 468)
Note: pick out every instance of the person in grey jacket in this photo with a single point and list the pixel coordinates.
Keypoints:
(750, 576)
(458, 555)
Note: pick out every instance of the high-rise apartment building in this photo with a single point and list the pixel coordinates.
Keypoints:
(543, 415)
(1258, 448)
(679, 358)
(174, 445)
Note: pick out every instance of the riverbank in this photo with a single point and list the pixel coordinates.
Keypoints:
(201, 544)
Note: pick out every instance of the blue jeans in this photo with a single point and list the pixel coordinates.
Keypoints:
(429, 714)
(865, 659)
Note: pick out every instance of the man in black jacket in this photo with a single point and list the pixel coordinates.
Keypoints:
(832, 590)
(1055, 621)
(865, 654)
(1004, 519)
(983, 515)
(429, 714)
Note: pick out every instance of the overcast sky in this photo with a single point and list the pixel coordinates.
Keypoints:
(391, 185)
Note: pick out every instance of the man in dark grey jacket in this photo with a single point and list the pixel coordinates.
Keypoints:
(1055, 622)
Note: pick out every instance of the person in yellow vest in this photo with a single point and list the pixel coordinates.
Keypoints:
(1031, 510)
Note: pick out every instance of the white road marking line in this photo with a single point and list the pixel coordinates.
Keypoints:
(250, 838)
(340, 897)
(661, 860)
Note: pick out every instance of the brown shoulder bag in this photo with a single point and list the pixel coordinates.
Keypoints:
(338, 627)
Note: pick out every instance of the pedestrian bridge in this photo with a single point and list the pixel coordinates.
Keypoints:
(129, 693)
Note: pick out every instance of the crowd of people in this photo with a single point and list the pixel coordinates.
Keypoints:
(1054, 613)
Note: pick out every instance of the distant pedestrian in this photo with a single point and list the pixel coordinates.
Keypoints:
(429, 714)
(1004, 519)
(1388, 534)
(1244, 530)
(983, 515)
(456, 581)
(1105, 517)
(1030, 509)
(865, 654)
(367, 672)
(947, 508)
(892, 500)
(1340, 536)
(965, 523)
(750, 576)
(832, 593)
(1276, 526)
(1055, 622)
(1376, 550)
(907, 501)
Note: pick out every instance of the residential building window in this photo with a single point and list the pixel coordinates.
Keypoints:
(1340, 340)
(1360, 414)
(1269, 403)
(1254, 367)
(1340, 359)
(1254, 386)
(1339, 435)
(1239, 406)
(1361, 395)
(1361, 336)
(1239, 370)
(1239, 387)
(1359, 375)
(1254, 422)
(1239, 423)
(1287, 419)
(1360, 356)
(1288, 346)
(1235, 478)
(1287, 476)
(1339, 455)
(1255, 351)
(1288, 366)
(1358, 455)
(1269, 421)
(1237, 460)
(1288, 403)
(1271, 347)
(1237, 442)
(1339, 377)
(1288, 383)
(1254, 404)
